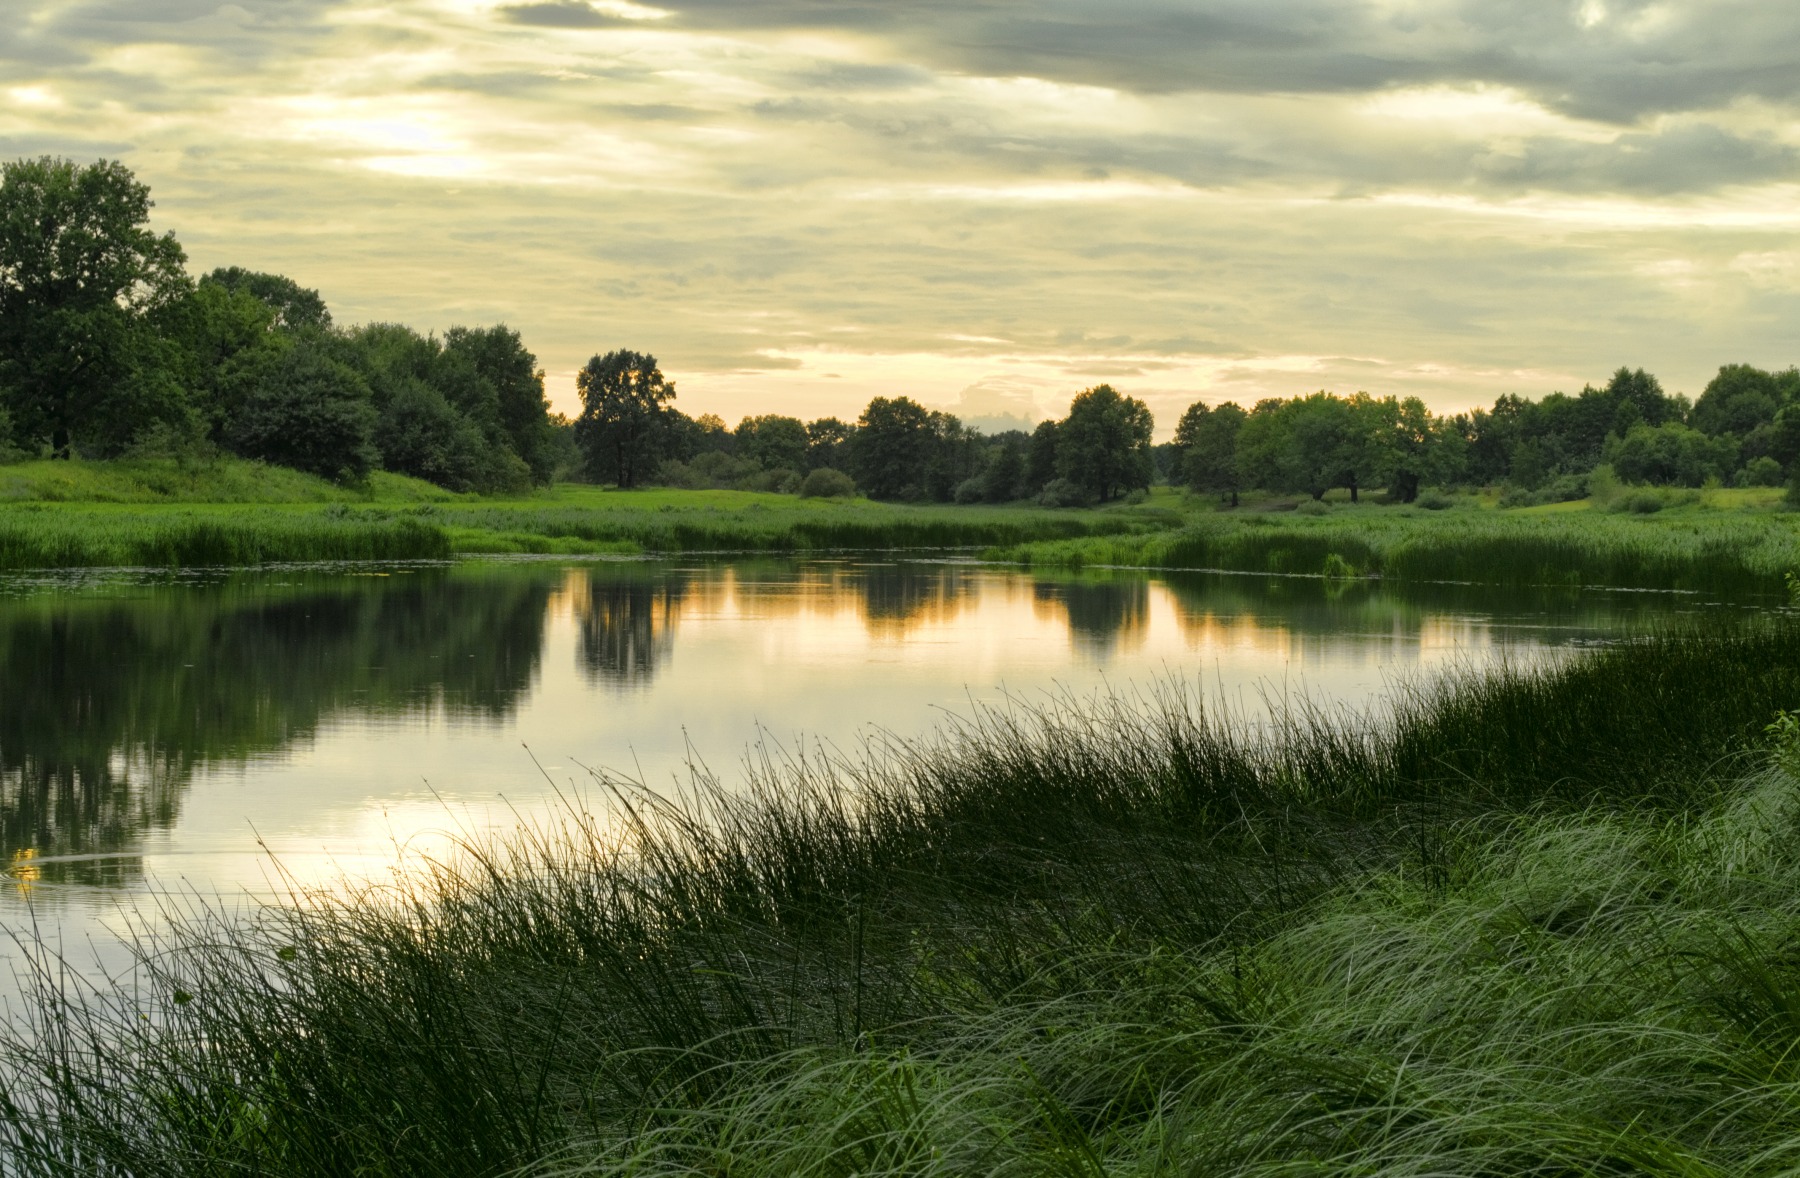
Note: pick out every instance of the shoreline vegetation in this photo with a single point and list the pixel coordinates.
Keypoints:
(1539, 922)
(168, 514)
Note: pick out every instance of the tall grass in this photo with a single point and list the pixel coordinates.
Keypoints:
(186, 538)
(1531, 924)
(46, 535)
(1736, 553)
(663, 521)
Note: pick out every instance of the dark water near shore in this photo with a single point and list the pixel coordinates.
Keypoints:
(166, 731)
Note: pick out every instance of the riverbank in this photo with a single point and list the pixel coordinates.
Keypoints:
(1742, 544)
(1538, 923)
(162, 514)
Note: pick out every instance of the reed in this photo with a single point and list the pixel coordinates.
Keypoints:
(1703, 550)
(34, 537)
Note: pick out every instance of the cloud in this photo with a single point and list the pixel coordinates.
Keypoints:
(559, 14)
(986, 204)
(1643, 57)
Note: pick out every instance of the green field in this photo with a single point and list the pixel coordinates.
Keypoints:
(160, 513)
(1543, 922)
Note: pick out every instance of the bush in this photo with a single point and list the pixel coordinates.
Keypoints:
(1434, 501)
(1762, 472)
(313, 414)
(825, 483)
(1062, 493)
(1312, 507)
(1563, 489)
(971, 490)
(783, 482)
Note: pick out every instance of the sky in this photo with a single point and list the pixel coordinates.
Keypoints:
(987, 205)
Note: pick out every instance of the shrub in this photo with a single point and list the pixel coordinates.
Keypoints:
(1062, 493)
(313, 414)
(1312, 507)
(1762, 472)
(825, 483)
(784, 482)
(1434, 501)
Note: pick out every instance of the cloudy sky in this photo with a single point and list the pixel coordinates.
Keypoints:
(986, 204)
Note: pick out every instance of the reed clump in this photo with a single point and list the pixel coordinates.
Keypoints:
(33, 537)
(1538, 921)
(1708, 551)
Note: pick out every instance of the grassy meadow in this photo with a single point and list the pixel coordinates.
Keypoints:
(1540, 922)
(158, 513)
(161, 513)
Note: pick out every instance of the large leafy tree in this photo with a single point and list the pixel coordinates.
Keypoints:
(292, 307)
(779, 443)
(1206, 442)
(499, 357)
(623, 425)
(1103, 445)
(310, 412)
(81, 276)
(894, 447)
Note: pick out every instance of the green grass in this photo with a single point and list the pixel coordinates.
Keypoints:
(164, 513)
(1714, 549)
(219, 480)
(565, 520)
(1540, 922)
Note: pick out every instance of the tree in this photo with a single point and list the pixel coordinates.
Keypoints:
(312, 413)
(624, 404)
(828, 444)
(892, 449)
(1005, 468)
(80, 276)
(292, 307)
(1736, 401)
(1103, 445)
(226, 343)
(779, 443)
(1670, 454)
(499, 358)
(1206, 446)
(1040, 458)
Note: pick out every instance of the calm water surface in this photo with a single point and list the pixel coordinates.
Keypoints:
(166, 732)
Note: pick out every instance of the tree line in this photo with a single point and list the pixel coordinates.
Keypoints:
(108, 347)
(630, 433)
(1743, 430)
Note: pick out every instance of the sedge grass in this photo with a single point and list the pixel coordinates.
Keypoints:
(1538, 921)
(1699, 550)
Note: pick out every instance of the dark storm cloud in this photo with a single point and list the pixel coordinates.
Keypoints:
(1627, 60)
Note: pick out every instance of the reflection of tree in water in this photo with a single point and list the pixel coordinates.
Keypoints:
(628, 623)
(107, 707)
(1101, 614)
(899, 596)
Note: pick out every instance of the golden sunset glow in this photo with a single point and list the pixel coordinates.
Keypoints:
(988, 206)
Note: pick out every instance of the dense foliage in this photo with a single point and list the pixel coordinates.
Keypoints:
(108, 348)
(1744, 430)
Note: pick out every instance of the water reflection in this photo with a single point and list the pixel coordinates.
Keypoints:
(108, 706)
(113, 700)
(628, 618)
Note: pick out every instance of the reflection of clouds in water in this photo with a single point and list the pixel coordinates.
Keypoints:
(109, 706)
(113, 702)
